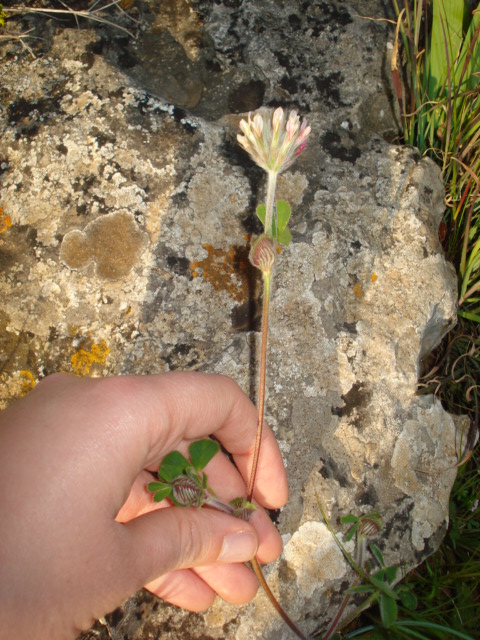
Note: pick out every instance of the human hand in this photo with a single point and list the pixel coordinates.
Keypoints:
(79, 532)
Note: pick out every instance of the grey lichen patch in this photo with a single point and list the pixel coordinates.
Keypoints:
(215, 192)
(113, 241)
(326, 561)
(421, 472)
(292, 187)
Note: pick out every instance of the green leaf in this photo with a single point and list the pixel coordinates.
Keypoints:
(351, 532)
(349, 518)
(203, 480)
(202, 451)
(157, 486)
(391, 574)
(284, 212)
(407, 598)
(162, 494)
(361, 588)
(261, 213)
(284, 237)
(388, 610)
(173, 465)
(377, 554)
(279, 229)
(469, 316)
(445, 41)
(383, 587)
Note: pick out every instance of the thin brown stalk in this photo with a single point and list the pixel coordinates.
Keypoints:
(262, 385)
(274, 601)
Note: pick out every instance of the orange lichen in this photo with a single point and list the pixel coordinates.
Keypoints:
(374, 277)
(83, 360)
(226, 270)
(28, 382)
(5, 221)
(358, 291)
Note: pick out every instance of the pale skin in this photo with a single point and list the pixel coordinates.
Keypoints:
(79, 532)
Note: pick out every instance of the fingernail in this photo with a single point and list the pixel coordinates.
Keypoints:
(238, 547)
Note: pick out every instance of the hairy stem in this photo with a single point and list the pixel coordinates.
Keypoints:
(261, 389)
(219, 505)
(267, 281)
(272, 183)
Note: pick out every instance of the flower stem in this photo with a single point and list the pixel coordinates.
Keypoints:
(274, 601)
(272, 184)
(219, 505)
(261, 388)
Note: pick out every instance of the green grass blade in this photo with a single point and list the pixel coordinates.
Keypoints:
(434, 627)
(446, 40)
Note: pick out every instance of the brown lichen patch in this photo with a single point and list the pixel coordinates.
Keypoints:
(113, 241)
(5, 221)
(227, 270)
(83, 360)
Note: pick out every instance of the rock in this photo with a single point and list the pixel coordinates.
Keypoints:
(124, 247)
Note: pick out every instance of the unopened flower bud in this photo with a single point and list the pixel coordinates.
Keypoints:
(242, 508)
(186, 492)
(262, 253)
(368, 527)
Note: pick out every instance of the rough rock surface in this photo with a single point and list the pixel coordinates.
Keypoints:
(125, 221)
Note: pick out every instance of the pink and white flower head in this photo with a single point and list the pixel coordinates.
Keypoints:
(273, 142)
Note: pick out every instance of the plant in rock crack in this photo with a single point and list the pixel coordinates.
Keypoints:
(379, 585)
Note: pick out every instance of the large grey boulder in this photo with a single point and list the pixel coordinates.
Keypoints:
(124, 249)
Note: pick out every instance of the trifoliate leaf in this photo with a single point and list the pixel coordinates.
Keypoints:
(173, 465)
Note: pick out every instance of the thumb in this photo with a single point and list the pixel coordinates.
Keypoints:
(179, 538)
